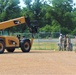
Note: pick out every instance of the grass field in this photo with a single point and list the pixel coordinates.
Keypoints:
(44, 46)
(49, 44)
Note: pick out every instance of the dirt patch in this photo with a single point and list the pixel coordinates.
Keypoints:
(38, 62)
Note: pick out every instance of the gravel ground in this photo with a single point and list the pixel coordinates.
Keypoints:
(38, 62)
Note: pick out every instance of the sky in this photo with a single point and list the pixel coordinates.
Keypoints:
(74, 1)
(22, 3)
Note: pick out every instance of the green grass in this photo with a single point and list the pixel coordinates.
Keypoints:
(47, 46)
(44, 46)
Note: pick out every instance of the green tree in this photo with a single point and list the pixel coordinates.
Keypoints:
(46, 28)
(55, 26)
(74, 32)
(60, 15)
(9, 9)
(45, 15)
(28, 3)
(61, 12)
(33, 10)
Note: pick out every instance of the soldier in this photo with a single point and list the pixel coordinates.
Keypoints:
(69, 44)
(65, 42)
(60, 42)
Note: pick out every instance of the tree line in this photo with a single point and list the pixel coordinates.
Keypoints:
(52, 15)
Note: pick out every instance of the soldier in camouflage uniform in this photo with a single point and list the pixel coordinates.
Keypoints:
(69, 44)
(65, 42)
(60, 42)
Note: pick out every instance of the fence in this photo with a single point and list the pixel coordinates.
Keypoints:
(45, 41)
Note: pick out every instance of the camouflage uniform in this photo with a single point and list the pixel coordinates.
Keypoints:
(69, 44)
(60, 42)
(65, 42)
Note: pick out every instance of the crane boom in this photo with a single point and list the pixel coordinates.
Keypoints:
(12, 22)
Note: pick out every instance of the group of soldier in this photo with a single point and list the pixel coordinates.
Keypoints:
(64, 43)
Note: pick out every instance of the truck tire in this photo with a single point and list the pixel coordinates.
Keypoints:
(10, 49)
(25, 46)
(2, 47)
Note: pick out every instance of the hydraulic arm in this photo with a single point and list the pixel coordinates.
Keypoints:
(13, 22)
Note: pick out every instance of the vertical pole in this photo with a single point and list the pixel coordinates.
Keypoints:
(38, 41)
(32, 39)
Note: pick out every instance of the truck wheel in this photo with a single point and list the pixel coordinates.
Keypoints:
(25, 46)
(2, 47)
(10, 49)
